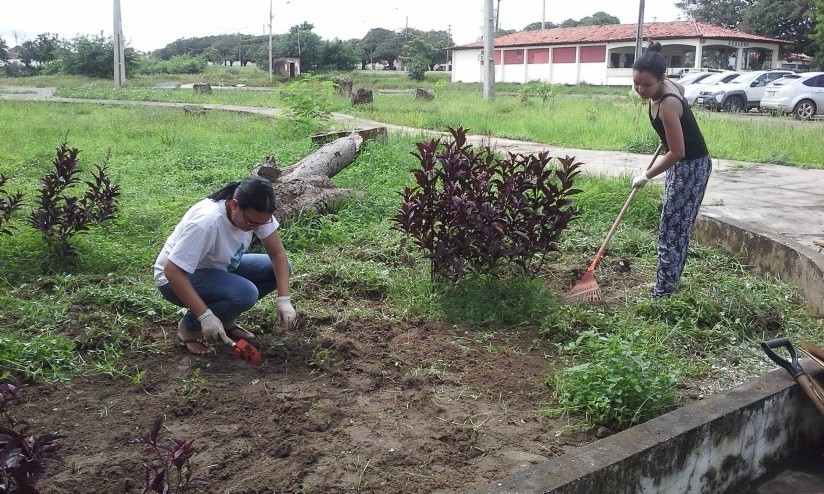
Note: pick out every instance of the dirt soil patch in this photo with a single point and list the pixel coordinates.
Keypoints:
(363, 407)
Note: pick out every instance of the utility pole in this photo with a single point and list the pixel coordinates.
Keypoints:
(448, 42)
(543, 16)
(489, 48)
(639, 36)
(119, 48)
(270, 41)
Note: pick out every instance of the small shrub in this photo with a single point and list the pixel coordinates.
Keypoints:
(59, 216)
(168, 470)
(624, 381)
(9, 203)
(308, 99)
(24, 458)
(472, 212)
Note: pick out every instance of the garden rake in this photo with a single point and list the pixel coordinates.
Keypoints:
(587, 289)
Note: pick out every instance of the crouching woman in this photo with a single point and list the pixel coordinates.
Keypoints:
(204, 267)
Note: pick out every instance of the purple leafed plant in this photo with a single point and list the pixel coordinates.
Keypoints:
(471, 211)
(24, 458)
(168, 469)
(59, 216)
(9, 203)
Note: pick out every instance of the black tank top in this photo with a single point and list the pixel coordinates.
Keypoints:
(694, 145)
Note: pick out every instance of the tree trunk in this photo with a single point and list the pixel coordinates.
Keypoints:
(306, 186)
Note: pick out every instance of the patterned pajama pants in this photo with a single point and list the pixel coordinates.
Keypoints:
(683, 192)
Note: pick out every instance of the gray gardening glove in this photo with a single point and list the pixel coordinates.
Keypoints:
(640, 181)
(213, 328)
(286, 313)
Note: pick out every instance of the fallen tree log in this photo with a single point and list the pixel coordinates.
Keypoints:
(306, 185)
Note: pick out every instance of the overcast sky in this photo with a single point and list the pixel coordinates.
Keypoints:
(152, 24)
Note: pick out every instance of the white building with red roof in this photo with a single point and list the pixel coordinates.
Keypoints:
(603, 55)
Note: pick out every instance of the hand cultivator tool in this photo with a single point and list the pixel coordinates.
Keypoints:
(810, 386)
(246, 351)
(587, 288)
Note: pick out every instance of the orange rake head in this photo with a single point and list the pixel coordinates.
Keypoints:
(585, 290)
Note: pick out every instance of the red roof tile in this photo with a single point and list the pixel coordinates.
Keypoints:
(657, 31)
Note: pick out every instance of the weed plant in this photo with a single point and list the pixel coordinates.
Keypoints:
(351, 263)
(168, 464)
(24, 458)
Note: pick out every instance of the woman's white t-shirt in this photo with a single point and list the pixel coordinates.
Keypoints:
(206, 238)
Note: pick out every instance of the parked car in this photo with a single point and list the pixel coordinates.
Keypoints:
(740, 94)
(801, 95)
(691, 91)
(692, 78)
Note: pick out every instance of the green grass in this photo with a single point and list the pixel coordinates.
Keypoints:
(585, 117)
(166, 159)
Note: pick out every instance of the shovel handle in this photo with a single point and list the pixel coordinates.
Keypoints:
(793, 367)
(813, 390)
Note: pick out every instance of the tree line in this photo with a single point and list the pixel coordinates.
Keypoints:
(91, 55)
(801, 22)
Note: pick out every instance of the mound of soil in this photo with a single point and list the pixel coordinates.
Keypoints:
(367, 406)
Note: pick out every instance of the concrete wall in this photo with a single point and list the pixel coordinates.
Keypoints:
(784, 259)
(721, 445)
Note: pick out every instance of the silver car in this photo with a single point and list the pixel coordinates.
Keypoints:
(801, 95)
(691, 90)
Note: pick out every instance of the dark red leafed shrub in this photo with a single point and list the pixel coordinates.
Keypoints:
(58, 215)
(24, 458)
(9, 203)
(168, 467)
(470, 211)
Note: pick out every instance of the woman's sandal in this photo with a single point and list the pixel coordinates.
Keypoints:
(238, 333)
(198, 346)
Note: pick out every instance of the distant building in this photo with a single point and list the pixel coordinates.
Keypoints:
(798, 62)
(603, 55)
(286, 66)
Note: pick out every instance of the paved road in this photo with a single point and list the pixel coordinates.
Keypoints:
(779, 202)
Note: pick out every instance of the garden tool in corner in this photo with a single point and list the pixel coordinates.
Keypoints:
(587, 288)
(810, 386)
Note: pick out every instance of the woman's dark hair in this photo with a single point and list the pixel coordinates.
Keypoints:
(652, 61)
(251, 193)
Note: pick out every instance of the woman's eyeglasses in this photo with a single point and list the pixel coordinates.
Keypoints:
(254, 223)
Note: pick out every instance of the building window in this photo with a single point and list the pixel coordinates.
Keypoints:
(593, 54)
(563, 55)
(513, 57)
(537, 55)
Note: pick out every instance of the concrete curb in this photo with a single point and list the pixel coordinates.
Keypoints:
(723, 444)
(767, 253)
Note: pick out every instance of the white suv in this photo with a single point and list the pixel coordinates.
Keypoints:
(802, 96)
(741, 94)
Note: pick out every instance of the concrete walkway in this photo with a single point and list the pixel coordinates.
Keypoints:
(772, 214)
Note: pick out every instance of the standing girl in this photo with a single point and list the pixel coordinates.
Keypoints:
(687, 165)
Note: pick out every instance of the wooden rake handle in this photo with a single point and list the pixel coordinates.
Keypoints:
(621, 214)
